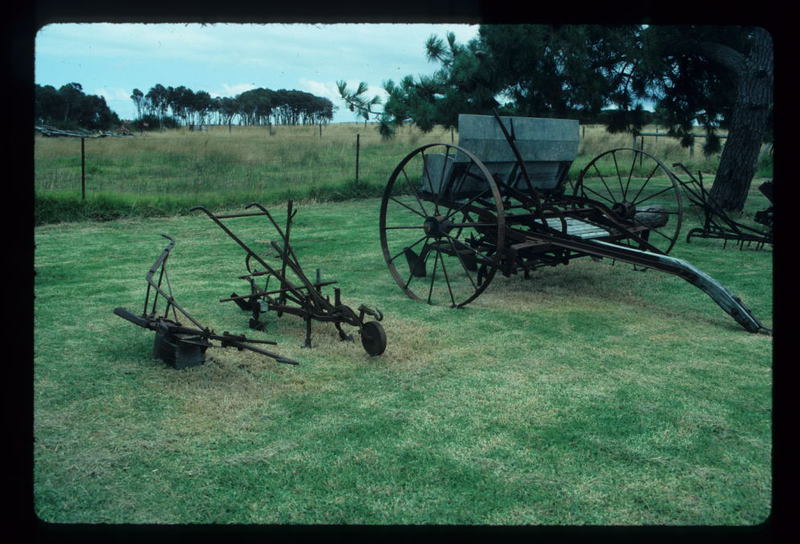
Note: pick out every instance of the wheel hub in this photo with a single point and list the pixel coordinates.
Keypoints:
(625, 210)
(436, 227)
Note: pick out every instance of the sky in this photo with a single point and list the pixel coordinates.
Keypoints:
(112, 59)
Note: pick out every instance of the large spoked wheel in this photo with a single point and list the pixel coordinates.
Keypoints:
(441, 225)
(641, 192)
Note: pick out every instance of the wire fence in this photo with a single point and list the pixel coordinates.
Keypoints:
(270, 157)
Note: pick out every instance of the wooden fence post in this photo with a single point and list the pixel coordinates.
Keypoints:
(641, 148)
(83, 169)
(358, 149)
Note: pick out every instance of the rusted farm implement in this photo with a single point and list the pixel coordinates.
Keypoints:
(176, 344)
(453, 215)
(295, 293)
(717, 224)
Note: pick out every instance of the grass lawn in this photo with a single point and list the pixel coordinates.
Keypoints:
(587, 394)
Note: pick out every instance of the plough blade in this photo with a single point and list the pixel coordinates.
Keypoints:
(175, 344)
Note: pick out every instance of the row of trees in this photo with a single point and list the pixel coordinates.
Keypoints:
(714, 77)
(167, 106)
(70, 108)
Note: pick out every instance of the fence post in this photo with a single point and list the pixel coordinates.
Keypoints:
(83, 169)
(641, 148)
(358, 149)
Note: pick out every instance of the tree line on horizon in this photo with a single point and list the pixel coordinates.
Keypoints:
(68, 107)
(174, 106)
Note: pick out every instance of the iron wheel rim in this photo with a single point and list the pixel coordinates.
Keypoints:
(412, 206)
(614, 180)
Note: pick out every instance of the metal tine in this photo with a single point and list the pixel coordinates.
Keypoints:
(310, 287)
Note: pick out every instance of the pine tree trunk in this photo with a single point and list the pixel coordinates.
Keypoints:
(748, 126)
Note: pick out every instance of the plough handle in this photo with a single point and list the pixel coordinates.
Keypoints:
(226, 339)
(135, 319)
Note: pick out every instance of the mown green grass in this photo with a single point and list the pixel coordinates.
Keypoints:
(588, 394)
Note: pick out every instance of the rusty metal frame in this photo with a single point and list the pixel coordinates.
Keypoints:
(175, 343)
(716, 223)
(541, 243)
(305, 300)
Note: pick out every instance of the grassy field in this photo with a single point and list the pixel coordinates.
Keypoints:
(163, 173)
(589, 394)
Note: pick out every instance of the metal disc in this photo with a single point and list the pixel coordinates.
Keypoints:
(373, 338)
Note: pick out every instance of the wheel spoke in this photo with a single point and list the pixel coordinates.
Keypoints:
(433, 275)
(630, 172)
(585, 188)
(414, 192)
(467, 203)
(442, 184)
(646, 181)
(408, 207)
(661, 234)
(603, 181)
(619, 176)
(666, 212)
(458, 183)
(430, 184)
(464, 225)
(447, 280)
(402, 251)
(654, 195)
(463, 264)
(411, 275)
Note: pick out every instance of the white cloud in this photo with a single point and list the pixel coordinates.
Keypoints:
(233, 90)
(112, 93)
(113, 56)
(329, 90)
(319, 88)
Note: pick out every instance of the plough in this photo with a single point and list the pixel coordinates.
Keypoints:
(176, 344)
(298, 295)
(717, 224)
